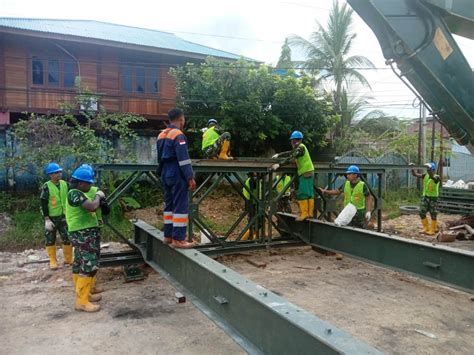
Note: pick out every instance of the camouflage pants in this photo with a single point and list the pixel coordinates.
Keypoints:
(214, 150)
(86, 244)
(429, 204)
(60, 226)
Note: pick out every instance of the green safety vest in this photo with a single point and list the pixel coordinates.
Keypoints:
(430, 187)
(246, 193)
(354, 196)
(283, 183)
(91, 196)
(304, 162)
(209, 137)
(79, 218)
(57, 198)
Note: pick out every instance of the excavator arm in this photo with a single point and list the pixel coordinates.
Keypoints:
(416, 36)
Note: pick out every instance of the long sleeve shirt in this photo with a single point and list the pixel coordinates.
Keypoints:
(173, 155)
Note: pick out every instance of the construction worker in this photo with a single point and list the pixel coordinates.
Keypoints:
(104, 209)
(53, 206)
(252, 192)
(177, 176)
(429, 199)
(215, 142)
(284, 204)
(305, 170)
(84, 230)
(356, 192)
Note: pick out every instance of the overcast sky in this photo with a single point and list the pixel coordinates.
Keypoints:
(253, 28)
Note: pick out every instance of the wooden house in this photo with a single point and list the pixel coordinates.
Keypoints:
(126, 66)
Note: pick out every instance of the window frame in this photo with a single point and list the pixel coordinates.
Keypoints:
(147, 71)
(45, 62)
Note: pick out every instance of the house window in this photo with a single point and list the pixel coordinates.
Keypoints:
(37, 71)
(140, 80)
(53, 73)
(127, 78)
(69, 77)
(152, 80)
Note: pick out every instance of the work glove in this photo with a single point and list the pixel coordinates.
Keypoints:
(368, 215)
(101, 194)
(275, 156)
(48, 224)
(275, 166)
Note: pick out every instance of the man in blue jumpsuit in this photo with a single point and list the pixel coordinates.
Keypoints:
(176, 172)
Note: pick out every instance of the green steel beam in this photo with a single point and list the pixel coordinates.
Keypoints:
(256, 318)
(439, 263)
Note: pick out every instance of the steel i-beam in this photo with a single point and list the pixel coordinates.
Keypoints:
(438, 263)
(256, 318)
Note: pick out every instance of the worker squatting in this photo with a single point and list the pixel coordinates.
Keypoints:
(75, 209)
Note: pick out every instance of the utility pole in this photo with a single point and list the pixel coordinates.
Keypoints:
(421, 139)
(423, 134)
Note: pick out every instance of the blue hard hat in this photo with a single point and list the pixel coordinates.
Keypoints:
(353, 169)
(211, 121)
(431, 166)
(296, 135)
(83, 174)
(87, 166)
(52, 168)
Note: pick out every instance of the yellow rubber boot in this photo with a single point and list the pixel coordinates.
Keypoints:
(67, 251)
(83, 287)
(303, 210)
(53, 264)
(224, 149)
(434, 226)
(94, 288)
(426, 227)
(311, 208)
(246, 235)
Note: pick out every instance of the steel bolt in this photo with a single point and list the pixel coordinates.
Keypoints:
(328, 330)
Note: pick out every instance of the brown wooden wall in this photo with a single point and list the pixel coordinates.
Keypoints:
(101, 72)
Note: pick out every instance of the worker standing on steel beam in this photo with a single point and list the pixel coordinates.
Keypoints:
(177, 176)
(356, 192)
(305, 170)
(215, 142)
(84, 230)
(429, 199)
(53, 207)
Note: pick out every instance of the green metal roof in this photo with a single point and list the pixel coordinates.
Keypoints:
(115, 33)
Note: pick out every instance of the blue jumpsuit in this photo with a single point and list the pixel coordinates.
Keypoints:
(175, 170)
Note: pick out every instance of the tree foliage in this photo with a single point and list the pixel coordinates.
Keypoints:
(377, 124)
(68, 139)
(285, 57)
(328, 53)
(258, 108)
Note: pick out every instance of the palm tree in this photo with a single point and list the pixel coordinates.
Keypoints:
(327, 52)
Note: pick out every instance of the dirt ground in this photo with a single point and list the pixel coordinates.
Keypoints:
(387, 309)
(37, 315)
(391, 311)
(409, 226)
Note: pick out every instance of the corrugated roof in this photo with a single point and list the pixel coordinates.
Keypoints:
(113, 32)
